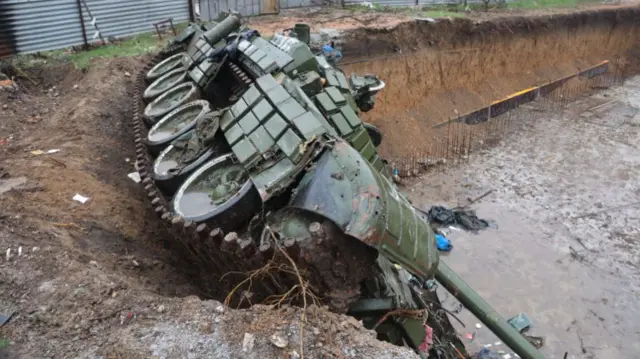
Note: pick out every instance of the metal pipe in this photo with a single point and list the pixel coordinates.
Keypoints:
(481, 309)
(222, 29)
(84, 32)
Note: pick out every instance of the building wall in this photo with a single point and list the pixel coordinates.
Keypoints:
(28, 26)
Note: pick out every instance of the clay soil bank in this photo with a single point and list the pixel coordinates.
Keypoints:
(436, 71)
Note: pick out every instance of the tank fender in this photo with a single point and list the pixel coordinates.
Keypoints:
(343, 187)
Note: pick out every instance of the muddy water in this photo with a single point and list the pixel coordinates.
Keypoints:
(566, 182)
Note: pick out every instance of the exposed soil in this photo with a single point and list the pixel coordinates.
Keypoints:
(101, 279)
(437, 71)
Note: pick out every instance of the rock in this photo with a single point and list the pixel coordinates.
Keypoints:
(279, 339)
(127, 74)
(294, 355)
(94, 263)
(75, 87)
(7, 185)
(205, 328)
(220, 309)
(5, 106)
(161, 309)
(248, 342)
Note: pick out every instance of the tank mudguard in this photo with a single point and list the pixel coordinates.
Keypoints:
(343, 187)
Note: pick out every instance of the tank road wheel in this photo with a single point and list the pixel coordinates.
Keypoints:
(166, 65)
(170, 100)
(166, 171)
(163, 83)
(175, 124)
(221, 192)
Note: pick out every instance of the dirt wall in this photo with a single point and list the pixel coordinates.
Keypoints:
(436, 71)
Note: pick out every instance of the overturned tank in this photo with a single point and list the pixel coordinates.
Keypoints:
(253, 153)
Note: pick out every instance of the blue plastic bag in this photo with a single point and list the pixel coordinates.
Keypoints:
(443, 243)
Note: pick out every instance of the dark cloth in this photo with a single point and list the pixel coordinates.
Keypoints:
(468, 220)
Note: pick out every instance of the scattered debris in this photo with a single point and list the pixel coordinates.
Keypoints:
(470, 336)
(279, 339)
(478, 326)
(9, 184)
(75, 87)
(497, 343)
(126, 319)
(135, 176)
(443, 243)
(428, 340)
(8, 254)
(520, 322)
(537, 342)
(80, 198)
(127, 74)
(5, 318)
(41, 152)
(248, 342)
(466, 219)
(427, 19)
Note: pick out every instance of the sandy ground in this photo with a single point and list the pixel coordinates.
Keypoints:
(562, 184)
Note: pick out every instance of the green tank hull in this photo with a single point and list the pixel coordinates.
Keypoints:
(276, 166)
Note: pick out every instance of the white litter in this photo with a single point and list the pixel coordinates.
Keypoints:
(497, 343)
(135, 176)
(478, 326)
(8, 253)
(506, 356)
(455, 228)
(487, 345)
(53, 151)
(19, 251)
(80, 198)
(35, 249)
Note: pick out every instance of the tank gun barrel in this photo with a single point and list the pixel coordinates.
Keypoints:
(222, 29)
(483, 311)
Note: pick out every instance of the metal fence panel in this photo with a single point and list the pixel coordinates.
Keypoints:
(384, 3)
(28, 26)
(209, 9)
(126, 17)
(38, 25)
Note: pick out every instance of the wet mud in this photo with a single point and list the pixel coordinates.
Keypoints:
(566, 246)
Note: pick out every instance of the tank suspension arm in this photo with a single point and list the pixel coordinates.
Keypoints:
(483, 311)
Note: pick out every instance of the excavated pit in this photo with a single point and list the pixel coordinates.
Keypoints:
(435, 72)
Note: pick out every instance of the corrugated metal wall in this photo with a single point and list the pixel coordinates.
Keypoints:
(38, 25)
(28, 26)
(209, 9)
(292, 4)
(127, 17)
(395, 3)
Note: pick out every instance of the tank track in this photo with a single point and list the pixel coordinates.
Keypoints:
(223, 259)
